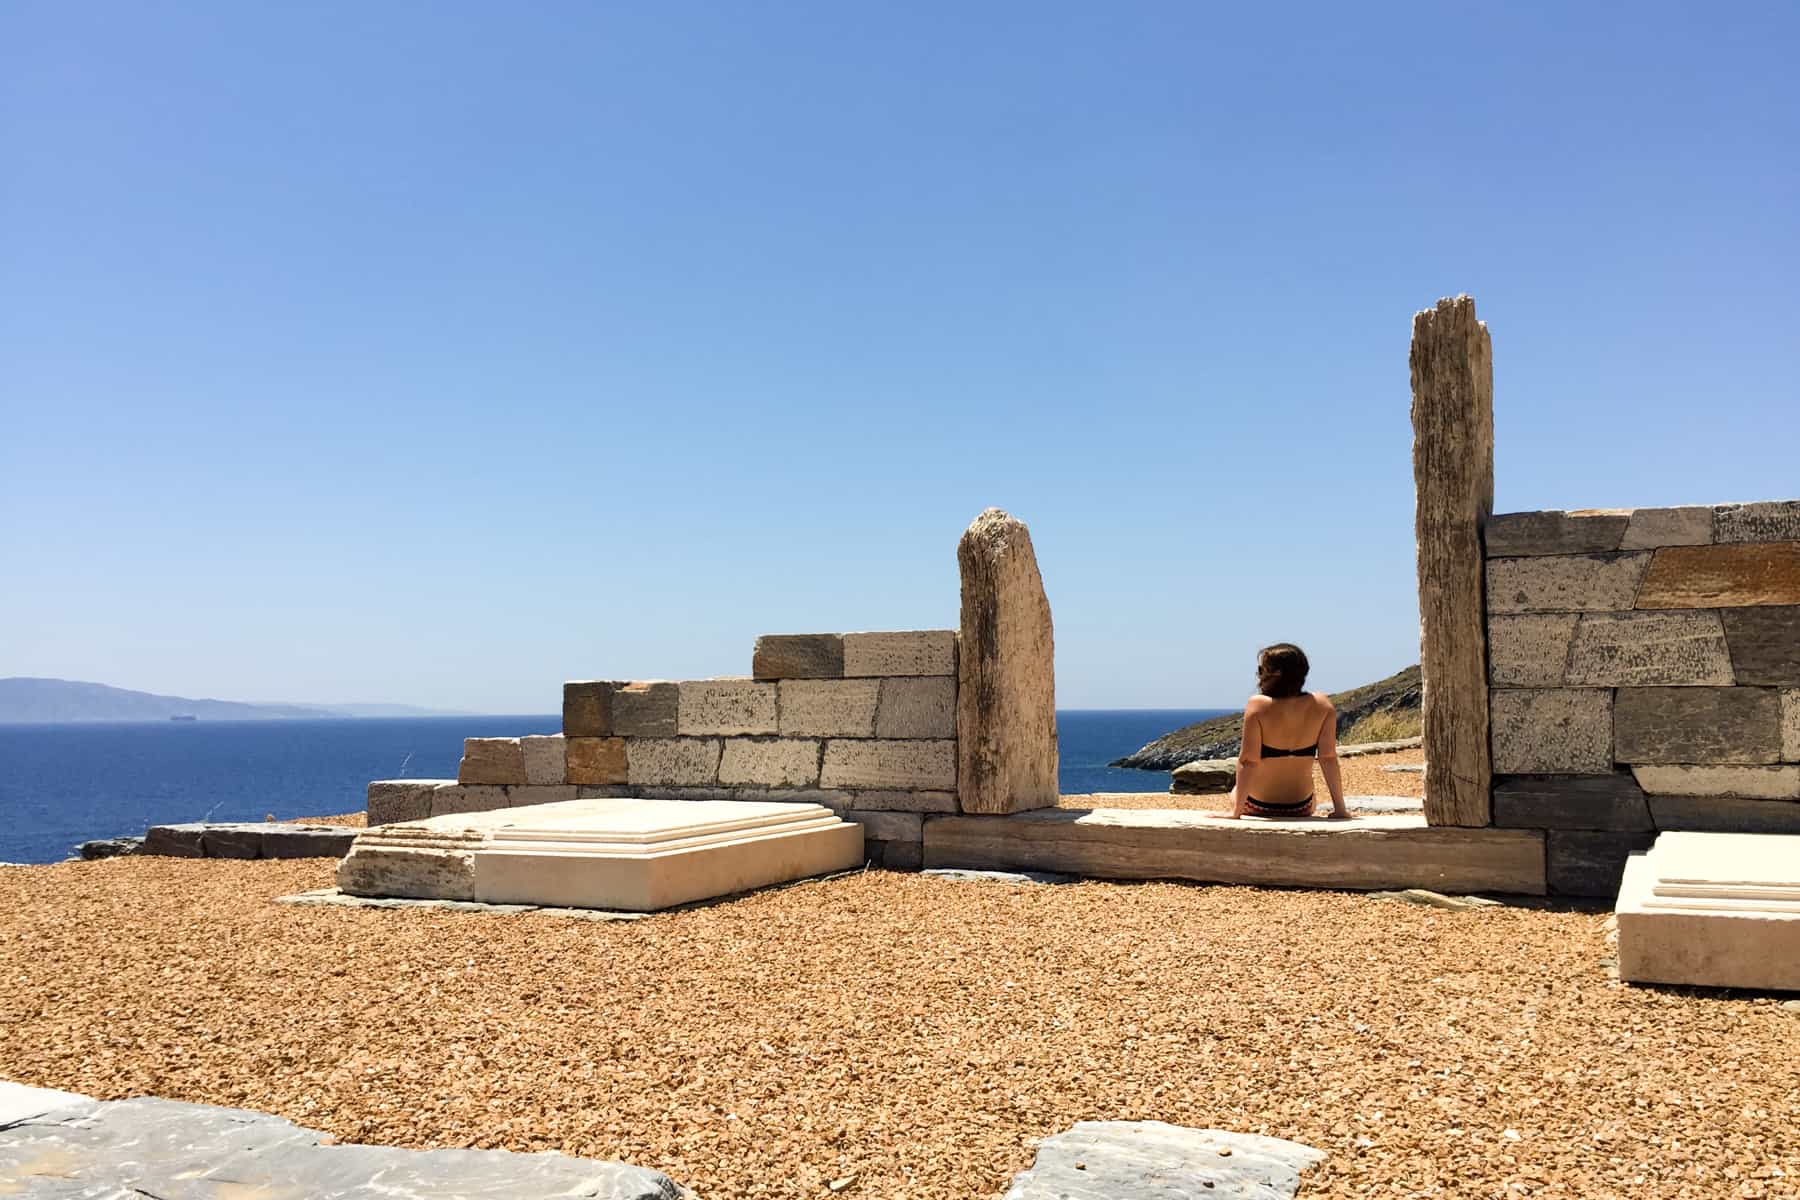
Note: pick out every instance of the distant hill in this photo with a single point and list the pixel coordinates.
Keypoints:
(26, 701)
(1398, 695)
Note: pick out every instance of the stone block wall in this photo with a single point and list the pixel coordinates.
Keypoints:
(1644, 673)
(863, 723)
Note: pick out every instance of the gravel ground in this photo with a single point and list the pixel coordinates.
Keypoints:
(1363, 776)
(913, 1033)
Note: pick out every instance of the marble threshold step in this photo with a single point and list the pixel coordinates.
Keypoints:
(1370, 853)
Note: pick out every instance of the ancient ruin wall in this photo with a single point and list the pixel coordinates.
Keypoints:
(863, 723)
(1644, 673)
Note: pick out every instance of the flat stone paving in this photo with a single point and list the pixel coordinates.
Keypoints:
(58, 1144)
(1151, 1160)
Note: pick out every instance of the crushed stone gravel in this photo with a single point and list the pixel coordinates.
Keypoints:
(914, 1034)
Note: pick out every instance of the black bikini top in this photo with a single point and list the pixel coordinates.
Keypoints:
(1302, 752)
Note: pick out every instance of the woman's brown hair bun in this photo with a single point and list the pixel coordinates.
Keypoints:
(1281, 670)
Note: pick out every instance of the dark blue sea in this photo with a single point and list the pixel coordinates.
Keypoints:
(64, 784)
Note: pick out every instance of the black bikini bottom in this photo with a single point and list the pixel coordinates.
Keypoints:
(1263, 808)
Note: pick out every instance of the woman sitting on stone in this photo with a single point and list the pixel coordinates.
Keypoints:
(1285, 729)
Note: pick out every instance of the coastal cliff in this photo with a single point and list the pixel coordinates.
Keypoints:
(1398, 695)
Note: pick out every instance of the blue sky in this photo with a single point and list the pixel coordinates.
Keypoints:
(438, 352)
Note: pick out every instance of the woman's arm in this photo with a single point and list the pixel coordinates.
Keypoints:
(1249, 754)
(1328, 762)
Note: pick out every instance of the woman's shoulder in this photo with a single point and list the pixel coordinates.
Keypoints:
(1258, 703)
(1322, 700)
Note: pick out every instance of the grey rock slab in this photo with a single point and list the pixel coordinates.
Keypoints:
(231, 841)
(1725, 814)
(176, 841)
(1610, 801)
(176, 1151)
(1697, 725)
(20, 1103)
(1654, 527)
(1565, 583)
(1382, 804)
(1203, 777)
(646, 708)
(1429, 899)
(905, 652)
(920, 706)
(1553, 532)
(1529, 649)
(1405, 769)
(961, 875)
(392, 800)
(1648, 649)
(1151, 1160)
(1583, 862)
(1552, 730)
(1765, 643)
(307, 841)
(110, 847)
(1764, 521)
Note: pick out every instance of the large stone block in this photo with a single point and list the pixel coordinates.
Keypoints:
(597, 760)
(1697, 725)
(798, 656)
(902, 801)
(1612, 801)
(1644, 649)
(1724, 576)
(828, 707)
(1452, 361)
(491, 760)
(1765, 521)
(890, 765)
(175, 841)
(889, 826)
(588, 707)
(1566, 583)
(646, 708)
(534, 794)
(1725, 814)
(1592, 531)
(911, 652)
(1651, 528)
(546, 761)
(1582, 862)
(456, 799)
(677, 762)
(1751, 783)
(1530, 649)
(770, 762)
(1790, 725)
(727, 706)
(1765, 643)
(1006, 694)
(922, 706)
(1713, 910)
(393, 800)
(1552, 731)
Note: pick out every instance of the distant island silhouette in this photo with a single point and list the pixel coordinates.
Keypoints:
(31, 701)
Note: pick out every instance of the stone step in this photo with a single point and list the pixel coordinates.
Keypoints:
(626, 854)
(1369, 853)
(248, 839)
(1713, 910)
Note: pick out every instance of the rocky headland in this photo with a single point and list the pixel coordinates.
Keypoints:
(1397, 695)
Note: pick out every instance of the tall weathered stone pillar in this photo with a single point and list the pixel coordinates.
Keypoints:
(1453, 474)
(1006, 688)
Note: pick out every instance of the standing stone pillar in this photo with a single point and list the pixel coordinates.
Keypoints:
(1453, 476)
(1006, 687)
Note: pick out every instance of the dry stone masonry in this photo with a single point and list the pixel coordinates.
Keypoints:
(878, 747)
(1644, 674)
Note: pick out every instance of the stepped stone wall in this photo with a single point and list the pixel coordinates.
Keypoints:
(1644, 675)
(863, 723)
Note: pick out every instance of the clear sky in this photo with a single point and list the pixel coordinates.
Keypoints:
(438, 352)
